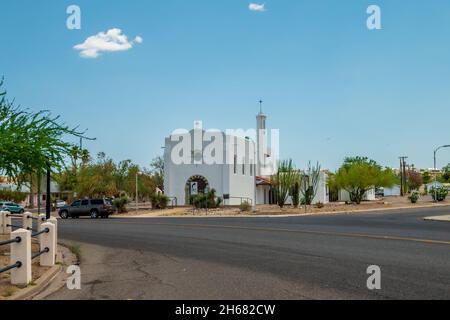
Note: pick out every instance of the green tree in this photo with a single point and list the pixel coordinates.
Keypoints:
(157, 170)
(358, 175)
(31, 142)
(414, 180)
(446, 173)
(426, 177)
(97, 179)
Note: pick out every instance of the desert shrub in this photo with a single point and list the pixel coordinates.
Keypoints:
(414, 197)
(199, 201)
(295, 194)
(320, 205)
(245, 206)
(439, 194)
(219, 202)
(121, 203)
(159, 201)
(209, 200)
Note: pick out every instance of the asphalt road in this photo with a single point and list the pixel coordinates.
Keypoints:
(313, 257)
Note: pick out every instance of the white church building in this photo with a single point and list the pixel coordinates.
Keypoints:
(197, 161)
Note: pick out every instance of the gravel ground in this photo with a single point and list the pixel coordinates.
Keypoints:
(387, 203)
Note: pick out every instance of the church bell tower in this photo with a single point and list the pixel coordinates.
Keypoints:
(261, 139)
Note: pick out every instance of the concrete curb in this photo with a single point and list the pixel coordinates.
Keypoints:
(288, 215)
(60, 279)
(43, 282)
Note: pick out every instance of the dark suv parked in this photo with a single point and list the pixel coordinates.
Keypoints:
(95, 208)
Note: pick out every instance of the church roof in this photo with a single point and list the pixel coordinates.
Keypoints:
(263, 181)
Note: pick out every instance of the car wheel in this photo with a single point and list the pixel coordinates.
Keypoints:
(22, 211)
(64, 215)
(94, 214)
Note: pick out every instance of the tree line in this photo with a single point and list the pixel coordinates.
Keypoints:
(357, 176)
(33, 142)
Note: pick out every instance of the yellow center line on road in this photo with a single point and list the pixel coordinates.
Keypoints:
(323, 233)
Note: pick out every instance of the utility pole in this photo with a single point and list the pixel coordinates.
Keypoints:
(403, 175)
(48, 203)
(137, 198)
(81, 141)
(405, 178)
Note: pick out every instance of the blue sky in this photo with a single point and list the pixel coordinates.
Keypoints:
(331, 86)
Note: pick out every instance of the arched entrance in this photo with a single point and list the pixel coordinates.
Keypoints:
(202, 185)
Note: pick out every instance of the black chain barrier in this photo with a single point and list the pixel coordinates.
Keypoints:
(16, 240)
(37, 254)
(19, 239)
(46, 230)
(17, 265)
(14, 226)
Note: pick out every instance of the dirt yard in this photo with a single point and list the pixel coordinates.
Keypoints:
(386, 203)
(6, 289)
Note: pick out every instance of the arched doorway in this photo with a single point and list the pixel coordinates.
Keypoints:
(202, 185)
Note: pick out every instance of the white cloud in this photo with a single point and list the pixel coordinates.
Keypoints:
(257, 7)
(110, 41)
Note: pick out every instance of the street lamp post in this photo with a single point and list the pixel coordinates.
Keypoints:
(435, 169)
(255, 160)
(137, 198)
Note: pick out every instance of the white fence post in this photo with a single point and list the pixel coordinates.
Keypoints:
(6, 222)
(27, 221)
(48, 241)
(1, 221)
(55, 222)
(21, 252)
(41, 220)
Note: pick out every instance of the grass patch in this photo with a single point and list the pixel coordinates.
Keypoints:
(8, 292)
(75, 249)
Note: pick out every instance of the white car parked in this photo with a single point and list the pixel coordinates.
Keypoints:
(60, 204)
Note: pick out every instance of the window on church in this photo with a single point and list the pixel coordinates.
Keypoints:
(251, 169)
(243, 169)
(235, 164)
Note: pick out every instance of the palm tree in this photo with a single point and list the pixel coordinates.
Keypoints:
(85, 157)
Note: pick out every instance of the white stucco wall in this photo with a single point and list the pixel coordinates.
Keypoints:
(260, 197)
(322, 195)
(392, 192)
(345, 196)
